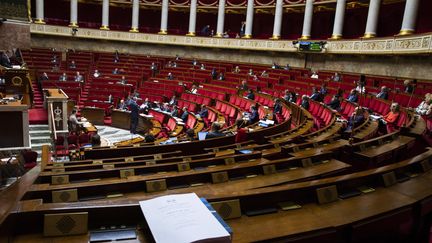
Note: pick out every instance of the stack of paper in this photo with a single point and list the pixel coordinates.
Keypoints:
(182, 218)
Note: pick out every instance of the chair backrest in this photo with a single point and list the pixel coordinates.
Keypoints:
(30, 156)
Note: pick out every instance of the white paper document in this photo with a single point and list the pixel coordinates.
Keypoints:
(182, 218)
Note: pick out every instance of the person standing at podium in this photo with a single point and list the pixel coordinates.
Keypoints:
(134, 108)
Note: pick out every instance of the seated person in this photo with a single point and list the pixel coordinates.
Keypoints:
(361, 87)
(165, 107)
(175, 111)
(96, 74)
(293, 97)
(190, 134)
(174, 65)
(275, 66)
(72, 65)
(79, 77)
(184, 115)
(243, 85)
(314, 75)
(424, 108)
(383, 94)
(202, 66)
(63, 77)
(122, 105)
(409, 86)
(323, 91)
(214, 74)
(336, 77)
(153, 69)
(169, 64)
(215, 131)
(95, 140)
(194, 89)
(287, 67)
(305, 102)
(334, 103)
(253, 115)
(74, 122)
(250, 95)
(43, 77)
(145, 105)
(170, 76)
(221, 76)
(194, 62)
(203, 113)
(357, 118)
(316, 95)
(122, 80)
(277, 107)
(353, 96)
(149, 138)
(173, 101)
(390, 119)
(264, 74)
(251, 72)
(5, 60)
(236, 69)
(116, 71)
(287, 95)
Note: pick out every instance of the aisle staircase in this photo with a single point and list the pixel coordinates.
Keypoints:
(37, 95)
(39, 136)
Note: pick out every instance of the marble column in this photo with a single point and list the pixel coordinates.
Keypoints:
(307, 21)
(164, 18)
(73, 13)
(135, 16)
(372, 19)
(277, 20)
(192, 18)
(40, 19)
(339, 19)
(249, 19)
(105, 15)
(409, 17)
(221, 19)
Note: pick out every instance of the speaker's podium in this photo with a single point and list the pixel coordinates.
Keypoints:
(57, 110)
(17, 82)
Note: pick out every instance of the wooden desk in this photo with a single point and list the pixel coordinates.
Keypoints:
(94, 115)
(121, 119)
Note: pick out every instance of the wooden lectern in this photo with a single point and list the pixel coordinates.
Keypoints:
(17, 82)
(57, 102)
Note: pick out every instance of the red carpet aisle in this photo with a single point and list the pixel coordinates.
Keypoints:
(38, 116)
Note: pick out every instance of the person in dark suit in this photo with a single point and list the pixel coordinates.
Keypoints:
(305, 102)
(316, 95)
(221, 76)
(215, 131)
(250, 95)
(334, 103)
(175, 111)
(154, 69)
(170, 76)
(353, 97)
(214, 73)
(383, 94)
(134, 108)
(356, 119)
(277, 107)
(63, 77)
(184, 115)
(203, 113)
(44, 77)
(244, 85)
(253, 116)
(205, 31)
